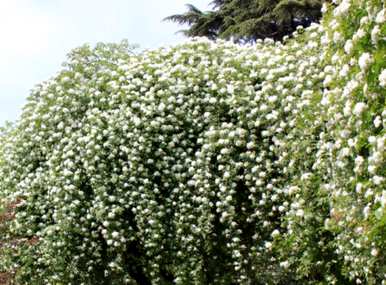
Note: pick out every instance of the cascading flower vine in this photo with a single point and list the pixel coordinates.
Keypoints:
(207, 162)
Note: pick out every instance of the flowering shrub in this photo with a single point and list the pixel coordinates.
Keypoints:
(206, 163)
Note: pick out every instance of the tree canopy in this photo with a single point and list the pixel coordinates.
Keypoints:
(248, 20)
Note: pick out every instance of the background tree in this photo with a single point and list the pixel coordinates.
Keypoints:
(248, 20)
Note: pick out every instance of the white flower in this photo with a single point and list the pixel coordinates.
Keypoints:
(359, 34)
(381, 17)
(348, 46)
(374, 252)
(359, 188)
(161, 107)
(292, 190)
(344, 71)
(300, 213)
(364, 20)
(284, 264)
(378, 180)
(366, 211)
(377, 121)
(337, 37)
(359, 108)
(381, 143)
(372, 139)
(382, 78)
(275, 233)
(371, 169)
(324, 40)
(343, 8)
(383, 198)
(324, 8)
(364, 60)
(230, 89)
(359, 160)
(375, 34)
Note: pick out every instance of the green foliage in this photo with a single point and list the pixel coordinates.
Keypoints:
(249, 20)
(206, 163)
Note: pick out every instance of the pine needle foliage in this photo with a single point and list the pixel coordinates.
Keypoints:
(248, 20)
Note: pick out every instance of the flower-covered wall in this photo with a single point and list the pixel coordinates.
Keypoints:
(206, 163)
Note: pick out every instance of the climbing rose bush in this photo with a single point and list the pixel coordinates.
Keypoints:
(207, 162)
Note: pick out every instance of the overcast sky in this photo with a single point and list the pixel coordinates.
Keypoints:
(36, 35)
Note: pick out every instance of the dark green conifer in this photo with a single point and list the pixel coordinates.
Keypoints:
(248, 20)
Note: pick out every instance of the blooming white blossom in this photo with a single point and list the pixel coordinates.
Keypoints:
(348, 46)
(284, 264)
(381, 16)
(359, 108)
(275, 233)
(382, 78)
(374, 252)
(375, 34)
(300, 213)
(337, 37)
(364, 60)
(377, 121)
(343, 8)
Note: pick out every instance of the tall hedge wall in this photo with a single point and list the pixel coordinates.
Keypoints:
(206, 163)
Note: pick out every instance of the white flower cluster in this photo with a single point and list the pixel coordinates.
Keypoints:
(382, 78)
(207, 163)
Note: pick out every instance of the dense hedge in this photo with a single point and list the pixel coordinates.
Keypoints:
(206, 163)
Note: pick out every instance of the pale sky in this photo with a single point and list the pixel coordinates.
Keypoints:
(36, 35)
